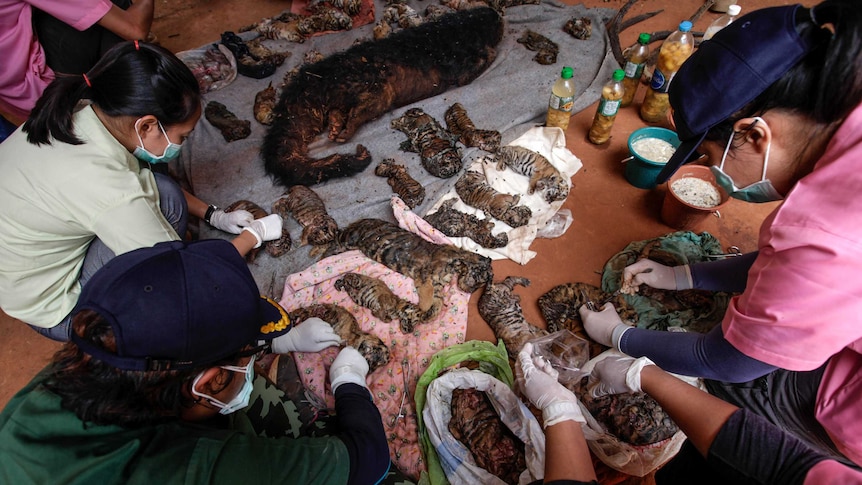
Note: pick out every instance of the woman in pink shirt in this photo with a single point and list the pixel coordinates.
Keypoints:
(775, 101)
(40, 37)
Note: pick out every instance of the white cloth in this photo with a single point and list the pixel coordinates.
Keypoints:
(548, 142)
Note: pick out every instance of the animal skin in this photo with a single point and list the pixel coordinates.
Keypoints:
(349, 88)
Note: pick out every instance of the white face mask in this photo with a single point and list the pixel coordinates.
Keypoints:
(760, 191)
(239, 401)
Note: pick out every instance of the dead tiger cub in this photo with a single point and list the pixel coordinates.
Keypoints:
(475, 191)
(376, 353)
(440, 156)
(385, 305)
(407, 188)
(274, 248)
(455, 223)
(460, 125)
(318, 227)
(543, 176)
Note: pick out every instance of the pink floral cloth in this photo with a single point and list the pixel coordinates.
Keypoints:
(409, 354)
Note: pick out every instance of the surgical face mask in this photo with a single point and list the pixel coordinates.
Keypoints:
(239, 401)
(141, 153)
(761, 191)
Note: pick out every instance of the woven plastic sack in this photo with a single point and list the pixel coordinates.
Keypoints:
(214, 66)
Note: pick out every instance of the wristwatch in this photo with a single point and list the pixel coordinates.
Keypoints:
(209, 213)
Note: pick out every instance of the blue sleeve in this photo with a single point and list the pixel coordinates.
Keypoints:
(706, 355)
(729, 274)
(361, 429)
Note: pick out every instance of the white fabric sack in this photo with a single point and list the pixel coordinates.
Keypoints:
(455, 458)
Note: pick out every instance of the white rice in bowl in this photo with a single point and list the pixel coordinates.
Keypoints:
(653, 149)
(697, 192)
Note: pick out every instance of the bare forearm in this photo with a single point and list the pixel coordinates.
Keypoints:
(566, 454)
(134, 23)
(698, 414)
(197, 207)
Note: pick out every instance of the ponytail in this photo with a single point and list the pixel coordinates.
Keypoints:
(52, 115)
(132, 79)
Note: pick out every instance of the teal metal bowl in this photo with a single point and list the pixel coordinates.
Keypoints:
(641, 171)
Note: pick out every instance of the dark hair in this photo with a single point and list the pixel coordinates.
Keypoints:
(826, 85)
(131, 79)
(102, 394)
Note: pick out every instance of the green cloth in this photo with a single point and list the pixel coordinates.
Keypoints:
(694, 310)
(493, 360)
(42, 443)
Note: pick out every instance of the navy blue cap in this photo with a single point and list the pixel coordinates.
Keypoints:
(178, 305)
(729, 71)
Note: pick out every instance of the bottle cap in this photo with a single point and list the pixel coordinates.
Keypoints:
(643, 38)
(619, 74)
(733, 10)
(685, 26)
(567, 72)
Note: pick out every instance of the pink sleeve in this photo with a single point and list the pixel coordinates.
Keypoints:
(802, 300)
(80, 14)
(830, 472)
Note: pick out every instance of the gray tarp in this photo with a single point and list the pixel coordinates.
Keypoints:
(511, 97)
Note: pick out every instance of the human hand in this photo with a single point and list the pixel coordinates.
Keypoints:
(348, 366)
(605, 326)
(312, 335)
(231, 222)
(265, 229)
(616, 375)
(656, 275)
(538, 382)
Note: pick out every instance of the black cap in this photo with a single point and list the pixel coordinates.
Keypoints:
(177, 305)
(728, 71)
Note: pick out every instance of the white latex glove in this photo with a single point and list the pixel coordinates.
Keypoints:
(617, 375)
(540, 386)
(231, 222)
(349, 366)
(656, 275)
(265, 229)
(605, 326)
(312, 335)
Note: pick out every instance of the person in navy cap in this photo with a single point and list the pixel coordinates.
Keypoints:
(164, 340)
(774, 101)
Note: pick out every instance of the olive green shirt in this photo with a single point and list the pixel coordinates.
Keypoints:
(42, 443)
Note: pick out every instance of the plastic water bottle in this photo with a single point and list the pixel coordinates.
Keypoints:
(674, 51)
(562, 100)
(606, 113)
(634, 68)
(722, 22)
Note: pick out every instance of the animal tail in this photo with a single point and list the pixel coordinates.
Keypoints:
(291, 169)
